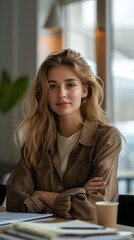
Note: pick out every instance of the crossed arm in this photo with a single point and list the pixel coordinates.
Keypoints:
(94, 184)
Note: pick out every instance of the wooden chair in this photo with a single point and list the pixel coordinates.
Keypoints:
(126, 210)
(2, 193)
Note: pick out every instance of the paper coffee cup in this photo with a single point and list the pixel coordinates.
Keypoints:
(107, 213)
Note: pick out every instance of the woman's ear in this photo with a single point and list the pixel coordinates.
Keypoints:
(85, 91)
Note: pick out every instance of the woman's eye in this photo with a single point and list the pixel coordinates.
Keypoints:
(71, 85)
(51, 87)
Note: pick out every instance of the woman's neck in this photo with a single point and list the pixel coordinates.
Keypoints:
(67, 126)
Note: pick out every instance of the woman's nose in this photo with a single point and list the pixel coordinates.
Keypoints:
(62, 92)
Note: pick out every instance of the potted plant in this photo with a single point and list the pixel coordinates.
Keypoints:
(10, 94)
(11, 91)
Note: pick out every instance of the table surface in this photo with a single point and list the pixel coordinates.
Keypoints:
(119, 227)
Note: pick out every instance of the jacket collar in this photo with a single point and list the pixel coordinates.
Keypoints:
(87, 136)
(89, 129)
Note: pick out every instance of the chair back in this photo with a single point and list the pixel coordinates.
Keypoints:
(2, 193)
(126, 210)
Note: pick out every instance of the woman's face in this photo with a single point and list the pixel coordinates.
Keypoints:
(65, 90)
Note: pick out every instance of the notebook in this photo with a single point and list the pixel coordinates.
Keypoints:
(68, 230)
(10, 217)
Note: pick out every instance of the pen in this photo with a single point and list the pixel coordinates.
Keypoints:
(83, 228)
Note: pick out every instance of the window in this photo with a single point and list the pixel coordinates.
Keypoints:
(123, 85)
(80, 25)
(80, 28)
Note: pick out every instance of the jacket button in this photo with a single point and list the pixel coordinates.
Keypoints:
(59, 188)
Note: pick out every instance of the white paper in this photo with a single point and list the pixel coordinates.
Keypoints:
(74, 227)
(118, 236)
(10, 217)
(55, 231)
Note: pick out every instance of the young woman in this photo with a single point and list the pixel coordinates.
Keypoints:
(69, 151)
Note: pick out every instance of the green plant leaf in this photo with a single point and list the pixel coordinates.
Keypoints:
(11, 91)
(18, 89)
(4, 79)
(5, 88)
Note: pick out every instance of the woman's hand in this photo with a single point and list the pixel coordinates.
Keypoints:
(95, 184)
(47, 197)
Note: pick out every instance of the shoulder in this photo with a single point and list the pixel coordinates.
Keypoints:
(109, 134)
(96, 127)
(105, 133)
(108, 130)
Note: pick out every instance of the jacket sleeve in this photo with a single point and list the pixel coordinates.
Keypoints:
(77, 203)
(20, 186)
(73, 203)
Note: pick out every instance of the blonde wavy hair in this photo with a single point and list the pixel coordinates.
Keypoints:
(36, 133)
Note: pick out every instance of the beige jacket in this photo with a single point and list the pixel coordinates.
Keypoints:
(96, 154)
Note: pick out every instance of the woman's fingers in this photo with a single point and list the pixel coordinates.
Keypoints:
(94, 188)
(95, 179)
(95, 184)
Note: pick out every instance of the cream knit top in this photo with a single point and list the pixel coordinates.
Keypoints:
(65, 146)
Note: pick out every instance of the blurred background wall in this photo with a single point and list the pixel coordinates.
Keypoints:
(25, 40)
(18, 41)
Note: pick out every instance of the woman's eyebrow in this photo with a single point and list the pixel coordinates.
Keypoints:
(52, 81)
(66, 80)
(70, 80)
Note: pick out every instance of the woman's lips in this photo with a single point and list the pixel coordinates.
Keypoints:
(62, 103)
